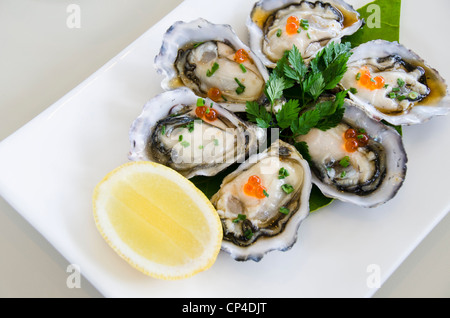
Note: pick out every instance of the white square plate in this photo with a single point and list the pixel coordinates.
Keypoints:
(49, 168)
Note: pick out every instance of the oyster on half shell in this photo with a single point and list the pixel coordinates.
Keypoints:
(393, 83)
(263, 202)
(367, 175)
(169, 131)
(318, 23)
(213, 62)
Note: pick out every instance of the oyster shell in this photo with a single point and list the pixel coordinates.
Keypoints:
(253, 225)
(169, 132)
(411, 92)
(327, 20)
(369, 176)
(212, 61)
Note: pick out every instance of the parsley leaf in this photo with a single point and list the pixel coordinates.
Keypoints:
(303, 84)
(308, 82)
(306, 122)
(303, 149)
(332, 63)
(297, 67)
(333, 115)
(288, 113)
(258, 114)
(324, 115)
(274, 87)
(314, 85)
(332, 120)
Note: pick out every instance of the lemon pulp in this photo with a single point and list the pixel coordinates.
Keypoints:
(153, 216)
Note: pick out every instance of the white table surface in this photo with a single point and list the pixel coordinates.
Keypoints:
(41, 59)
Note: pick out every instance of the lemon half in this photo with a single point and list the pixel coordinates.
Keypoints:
(157, 220)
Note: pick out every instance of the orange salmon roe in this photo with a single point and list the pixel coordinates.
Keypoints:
(214, 94)
(254, 188)
(292, 25)
(211, 115)
(241, 56)
(365, 79)
(351, 145)
(293, 19)
(200, 111)
(206, 113)
(353, 140)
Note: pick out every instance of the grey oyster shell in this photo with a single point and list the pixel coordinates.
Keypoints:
(200, 55)
(368, 177)
(329, 21)
(264, 227)
(414, 91)
(169, 132)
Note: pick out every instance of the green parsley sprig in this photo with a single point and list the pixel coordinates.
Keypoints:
(303, 84)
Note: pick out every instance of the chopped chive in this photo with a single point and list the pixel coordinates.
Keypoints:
(287, 188)
(304, 24)
(360, 136)
(309, 36)
(265, 193)
(413, 95)
(392, 95)
(283, 173)
(401, 97)
(214, 68)
(279, 32)
(362, 130)
(216, 142)
(345, 162)
(200, 147)
(189, 126)
(284, 210)
(198, 44)
(248, 234)
(400, 82)
(163, 130)
(358, 76)
(200, 102)
(240, 217)
(244, 70)
(224, 98)
(207, 110)
(396, 89)
(353, 90)
(386, 85)
(241, 87)
(180, 137)
(343, 173)
(372, 80)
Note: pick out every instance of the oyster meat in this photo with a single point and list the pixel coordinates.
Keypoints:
(275, 26)
(262, 203)
(393, 83)
(213, 62)
(169, 131)
(361, 160)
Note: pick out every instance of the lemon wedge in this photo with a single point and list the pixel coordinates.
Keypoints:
(157, 220)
